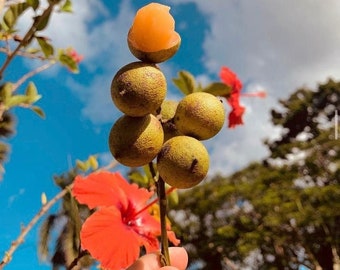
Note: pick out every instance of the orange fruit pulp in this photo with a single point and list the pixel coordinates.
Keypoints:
(153, 29)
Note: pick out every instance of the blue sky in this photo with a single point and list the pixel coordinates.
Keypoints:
(277, 46)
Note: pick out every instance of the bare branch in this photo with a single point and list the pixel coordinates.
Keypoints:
(25, 230)
(31, 74)
(15, 244)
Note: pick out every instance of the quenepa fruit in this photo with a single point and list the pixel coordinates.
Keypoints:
(152, 36)
(136, 141)
(138, 88)
(200, 115)
(183, 162)
(166, 113)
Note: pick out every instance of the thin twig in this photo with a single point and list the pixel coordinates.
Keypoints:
(15, 244)
(31, 74)
(77, 259)
(165, 257)
(27, 38)
(162, 215)
(7, 51)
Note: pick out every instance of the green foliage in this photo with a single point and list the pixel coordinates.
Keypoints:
(13, 44)
(12, 14)
(218, 89)
(90, 164)
(286, 207)
(33, 3)
(45, 46)
(67, 6)
(66, 60)
(187, 84)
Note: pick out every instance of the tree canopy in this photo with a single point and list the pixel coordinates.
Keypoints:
(280, 212)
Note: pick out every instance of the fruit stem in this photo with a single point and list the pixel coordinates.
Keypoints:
(161, 193)
(162, 214)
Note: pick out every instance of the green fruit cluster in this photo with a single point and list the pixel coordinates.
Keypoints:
(168, 131)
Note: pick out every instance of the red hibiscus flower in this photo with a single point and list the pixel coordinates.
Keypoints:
(230, 78)
(237, 110)
(120, 226)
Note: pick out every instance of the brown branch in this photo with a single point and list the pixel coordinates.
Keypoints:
(16, 243)
(31, 74)
(27, 38)
(29, 55)
(77, 259)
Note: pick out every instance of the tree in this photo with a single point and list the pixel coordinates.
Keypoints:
(66, 246)
(278, 213)
(33, 45)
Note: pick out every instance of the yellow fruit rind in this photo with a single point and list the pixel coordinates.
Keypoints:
(138, 89)
(183, 162)
(200, 115)
(136, 141)
(154, 57)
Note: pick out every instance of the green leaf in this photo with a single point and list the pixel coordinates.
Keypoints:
(44, 237)
(68, 61)
(17, 100)
(185, 82)
(173, 198)
(12, 14)
(32, 50)
(32, 93)
(42, 22)
(93, 162)
(6, 93)
(82, 165)
(75, 217)
(33, 3)
(136, 177)
(46, 47)
(218, 89)
(38, 111)
(67, 7)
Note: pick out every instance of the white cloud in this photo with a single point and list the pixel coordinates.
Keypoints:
(94, 33)
(98, 37)
(281, 45)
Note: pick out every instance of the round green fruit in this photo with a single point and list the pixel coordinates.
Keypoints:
(183, 162)
(136, 141)
(166, 113)
(200, 115)
(138, 89)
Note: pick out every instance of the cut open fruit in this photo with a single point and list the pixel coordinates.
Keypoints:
(152, 36)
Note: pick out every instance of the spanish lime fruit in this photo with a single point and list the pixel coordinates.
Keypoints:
(138, 89)
(200, 115)
(135, 141)
(166, 113)
(183, 162)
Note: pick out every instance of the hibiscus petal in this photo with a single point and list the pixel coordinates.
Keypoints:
(107, 189)
(148, 228)
(230, 78)
(137, 196)
(100, 189)
(235, 116)
(109, 240)
(172, 238)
